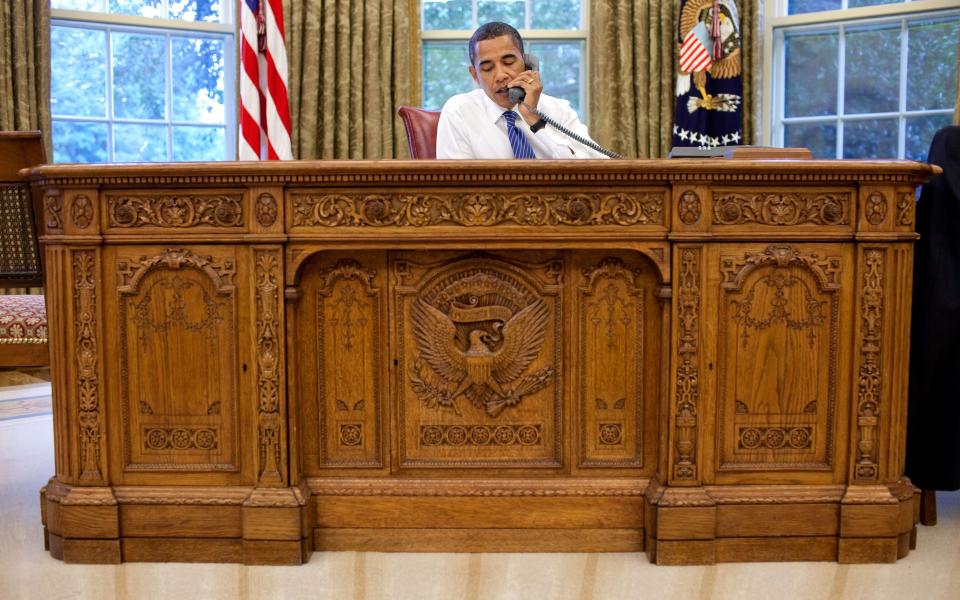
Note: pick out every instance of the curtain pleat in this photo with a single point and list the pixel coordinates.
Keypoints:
(352, 64)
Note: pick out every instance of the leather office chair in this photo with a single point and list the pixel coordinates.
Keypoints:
(421, 127)
(23, 317)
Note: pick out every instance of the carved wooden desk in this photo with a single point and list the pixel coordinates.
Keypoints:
(703, 360)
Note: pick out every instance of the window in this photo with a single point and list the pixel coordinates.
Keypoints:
(142, 80)
(860, 78)
(554, 30)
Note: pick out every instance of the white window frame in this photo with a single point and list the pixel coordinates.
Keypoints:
(529, 35)
(109, 22)
(776, 21)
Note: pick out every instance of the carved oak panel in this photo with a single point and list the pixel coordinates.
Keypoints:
(177, 355)
(340, 359)
(611, 313)
(779, 337)
(479, 359)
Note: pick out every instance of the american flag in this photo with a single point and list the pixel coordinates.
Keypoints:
(694, 55)
(264, 112)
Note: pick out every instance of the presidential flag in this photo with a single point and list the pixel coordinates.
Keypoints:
(264, 111)
(709, 85)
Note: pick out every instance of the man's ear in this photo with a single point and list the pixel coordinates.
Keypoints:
(473, 73)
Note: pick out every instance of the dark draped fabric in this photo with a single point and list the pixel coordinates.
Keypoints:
(933, 426)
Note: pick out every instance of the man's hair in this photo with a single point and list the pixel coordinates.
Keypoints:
(491, 30)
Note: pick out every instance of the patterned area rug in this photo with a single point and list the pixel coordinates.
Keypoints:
(24, 394)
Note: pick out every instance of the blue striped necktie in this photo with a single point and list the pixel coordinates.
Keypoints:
(519, 144)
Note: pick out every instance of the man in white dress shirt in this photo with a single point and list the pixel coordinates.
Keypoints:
(485, 124)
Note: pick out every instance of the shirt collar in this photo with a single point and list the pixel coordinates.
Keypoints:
(492, 110)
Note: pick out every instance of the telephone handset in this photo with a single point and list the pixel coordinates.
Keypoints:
(516, 95)
(530, 63)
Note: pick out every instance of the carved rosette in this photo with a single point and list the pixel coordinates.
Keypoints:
(786, 209)
(869, 376)
(174, 211)
(88, 385)
(906, 207)
(81, 211)
(266, 210)
(53, 206)
(875, 208)
(180, 438)
(267, 273)
(689, 208)
(688, 371)
(477, 210)
(775, 438)
(481, 435)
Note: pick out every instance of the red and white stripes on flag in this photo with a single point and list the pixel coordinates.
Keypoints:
(694, 52)
(264, 111)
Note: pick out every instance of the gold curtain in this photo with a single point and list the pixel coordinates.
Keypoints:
(352, 63)
(25, 75)
(25, 67)
(633, 58)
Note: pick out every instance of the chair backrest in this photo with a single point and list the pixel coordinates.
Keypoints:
(20, 258)
(421, 127)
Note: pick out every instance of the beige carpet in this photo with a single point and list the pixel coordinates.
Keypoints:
(24, 393)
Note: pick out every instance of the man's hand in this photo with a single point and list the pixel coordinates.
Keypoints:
(531, 84)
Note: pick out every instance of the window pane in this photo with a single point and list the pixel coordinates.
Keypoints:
(858, 3)
(508, 11)
(94, 5)
(555, 14)
(920, 132)
(139, 75)
(196, 10)
(444, 72)
(199, 143)
(79, 142)
(811, 74)
(560, 69)
(78, 83)
(820, 138)
(142, 8)
(872, 69)
(870, 138)
(139, 143)
(198, 80)
(932, 57)
(796, 7)
(447, 14)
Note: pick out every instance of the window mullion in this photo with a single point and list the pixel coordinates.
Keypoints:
(902, 120)
(168, 93)
(841, 83)
(108, 32)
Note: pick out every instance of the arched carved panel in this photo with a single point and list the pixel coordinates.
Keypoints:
(779, 339)
(479, 345)
(611, 323)
(349, 340)
(178, 361)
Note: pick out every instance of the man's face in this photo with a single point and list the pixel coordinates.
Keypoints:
(498, 62)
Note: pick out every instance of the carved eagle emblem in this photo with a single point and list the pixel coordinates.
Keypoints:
(486, 369)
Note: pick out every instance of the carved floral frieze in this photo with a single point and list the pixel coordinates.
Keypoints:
(783, 209)
(175, 211)
(477, 209)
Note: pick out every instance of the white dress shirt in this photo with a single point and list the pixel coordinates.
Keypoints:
(472, 126)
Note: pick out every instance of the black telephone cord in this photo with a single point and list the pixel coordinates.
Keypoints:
(564, 130)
